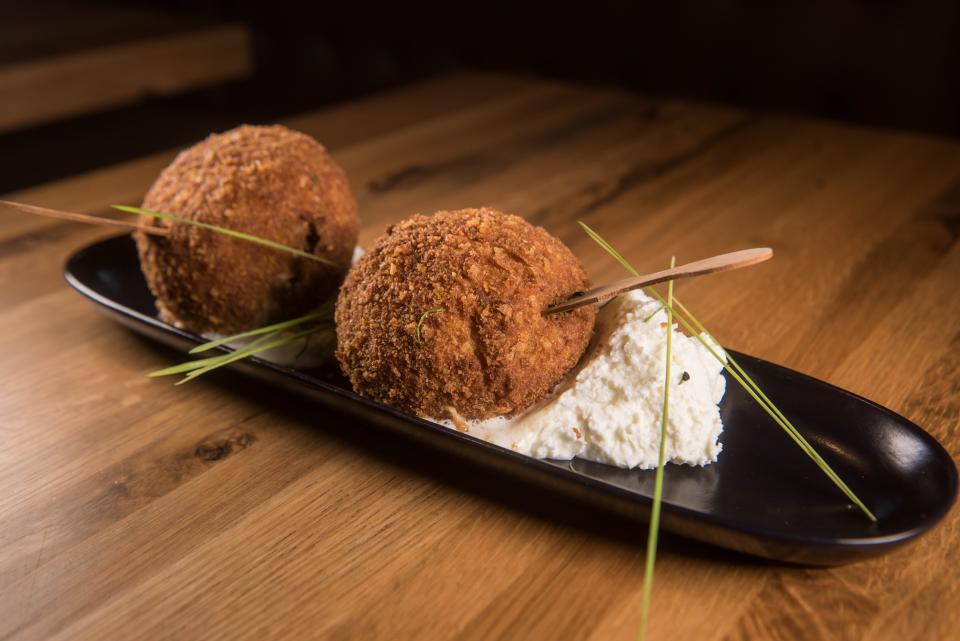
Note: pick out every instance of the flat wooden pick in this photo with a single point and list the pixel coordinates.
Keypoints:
(723, 262)
(83, 218)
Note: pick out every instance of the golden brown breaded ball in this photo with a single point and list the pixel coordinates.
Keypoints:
(272, 182)
(490, 351)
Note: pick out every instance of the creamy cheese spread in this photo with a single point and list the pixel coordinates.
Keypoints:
(609, 409)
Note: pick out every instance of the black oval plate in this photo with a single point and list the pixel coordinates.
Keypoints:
(763, 497)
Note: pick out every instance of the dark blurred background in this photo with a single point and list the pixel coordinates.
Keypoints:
(87, 84)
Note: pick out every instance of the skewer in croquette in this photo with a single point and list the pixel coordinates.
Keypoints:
(271, 182)
(490, 351)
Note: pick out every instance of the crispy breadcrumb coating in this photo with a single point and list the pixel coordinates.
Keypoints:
(490, 351)
(268, 181)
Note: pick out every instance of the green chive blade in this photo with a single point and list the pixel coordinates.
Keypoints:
(293, 322)
(652, 314)
(654, 531)
(268, 342)
(181, 368)
(263, 343)
(608, 248)
(227, 232)
(745, 381)
(424, 316)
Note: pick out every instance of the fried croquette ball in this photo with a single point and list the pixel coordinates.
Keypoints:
(476, 282)
(271, 182)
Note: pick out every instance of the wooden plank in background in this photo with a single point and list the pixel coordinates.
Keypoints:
(43, 243)
(76, 83)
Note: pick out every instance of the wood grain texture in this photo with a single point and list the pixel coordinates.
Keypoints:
(217, 510)
(77, 83)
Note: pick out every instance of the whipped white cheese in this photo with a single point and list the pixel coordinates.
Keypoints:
(610, 408)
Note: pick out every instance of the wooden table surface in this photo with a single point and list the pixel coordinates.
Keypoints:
(130, 508)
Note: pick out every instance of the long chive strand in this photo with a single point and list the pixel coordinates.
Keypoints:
(227, 232)
(754, 390)
(658, 483)
(745, 381)
(262, 345)
(267, 329)
(272, 340)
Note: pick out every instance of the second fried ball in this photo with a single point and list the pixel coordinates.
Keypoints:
(490, 351)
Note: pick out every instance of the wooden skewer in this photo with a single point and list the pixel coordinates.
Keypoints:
(84, 218)
(723, 262)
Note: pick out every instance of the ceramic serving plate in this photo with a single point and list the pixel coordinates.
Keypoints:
(763, 497)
